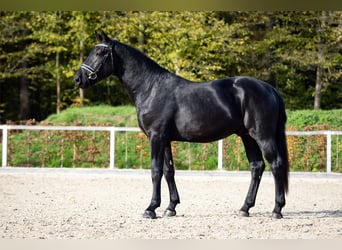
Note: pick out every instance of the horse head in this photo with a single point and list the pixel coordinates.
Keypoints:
(99, 63)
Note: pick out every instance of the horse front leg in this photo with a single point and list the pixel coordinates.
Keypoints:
(169, 174)
(157, 144)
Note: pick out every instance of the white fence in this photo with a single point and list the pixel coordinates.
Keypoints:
(112, 130)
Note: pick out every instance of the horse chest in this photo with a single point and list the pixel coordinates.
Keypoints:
(152, 120)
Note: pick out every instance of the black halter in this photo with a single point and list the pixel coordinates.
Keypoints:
(93, 72)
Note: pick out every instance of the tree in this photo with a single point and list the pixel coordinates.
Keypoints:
(328, 48)
(195, 45)
(310, 43)
(48, 28)
(297, 52)
(18, 53)
(80, 30)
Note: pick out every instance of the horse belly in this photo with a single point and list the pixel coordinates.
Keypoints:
(204, 125)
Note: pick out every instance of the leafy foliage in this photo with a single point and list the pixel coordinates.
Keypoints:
(299, 52)
(299, 119)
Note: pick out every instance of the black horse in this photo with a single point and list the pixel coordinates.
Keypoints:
(171, 108)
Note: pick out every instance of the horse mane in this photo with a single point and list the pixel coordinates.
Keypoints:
(138, 56)
(148, 65)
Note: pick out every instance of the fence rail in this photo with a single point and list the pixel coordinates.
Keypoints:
(113, 130)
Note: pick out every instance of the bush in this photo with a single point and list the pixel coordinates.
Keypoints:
(300, 119)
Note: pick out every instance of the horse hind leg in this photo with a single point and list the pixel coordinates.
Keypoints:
(278, 168)
(257, 167)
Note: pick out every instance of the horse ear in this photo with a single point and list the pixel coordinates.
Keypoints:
(102, 36)
(98, 36)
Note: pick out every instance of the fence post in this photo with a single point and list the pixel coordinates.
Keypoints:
(112, 148)
(328, 133)
(4, 146)
(219, 154)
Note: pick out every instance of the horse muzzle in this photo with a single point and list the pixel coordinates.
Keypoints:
(78, 80)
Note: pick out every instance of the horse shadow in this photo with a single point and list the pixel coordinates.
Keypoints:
(317, 214)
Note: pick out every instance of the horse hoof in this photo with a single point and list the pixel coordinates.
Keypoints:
(277, 215)
(243, 213)
(169, 213)
(149, 214)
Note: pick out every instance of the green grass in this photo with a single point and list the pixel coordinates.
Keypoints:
(126, 116)
(122, 116)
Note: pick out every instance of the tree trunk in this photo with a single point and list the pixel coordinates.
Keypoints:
(81, 59)
(24, 96)
(268, 57)
(58, 76)
(141, 38)
(318, 88)
(58, 85)
(320, 60)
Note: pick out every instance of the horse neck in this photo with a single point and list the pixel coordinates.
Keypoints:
(139, 74)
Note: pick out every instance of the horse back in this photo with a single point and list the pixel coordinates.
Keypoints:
(204, 112)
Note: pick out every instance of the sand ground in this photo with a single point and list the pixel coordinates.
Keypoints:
(108, 204)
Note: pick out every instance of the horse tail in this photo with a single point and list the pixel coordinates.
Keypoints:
(282, 144)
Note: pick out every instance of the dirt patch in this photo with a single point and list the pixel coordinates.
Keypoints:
(98, 204)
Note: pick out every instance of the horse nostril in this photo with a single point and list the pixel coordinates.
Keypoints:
(77, 80)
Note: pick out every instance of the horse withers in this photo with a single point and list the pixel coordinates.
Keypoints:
(171, 108)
